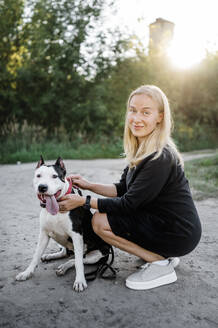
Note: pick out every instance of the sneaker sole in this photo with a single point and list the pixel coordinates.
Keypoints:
(169, 279)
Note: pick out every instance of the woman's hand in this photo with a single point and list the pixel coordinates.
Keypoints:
(78, 181)
(70, 201)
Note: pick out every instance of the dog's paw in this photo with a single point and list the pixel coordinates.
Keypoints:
(46, 257)
(22, 276)
(61, 270)
(80, 286)
(92, 257)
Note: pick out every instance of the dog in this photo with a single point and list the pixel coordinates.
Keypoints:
(72, 229)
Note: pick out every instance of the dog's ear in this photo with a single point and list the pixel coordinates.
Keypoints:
(41, 162)
(59, 162)
(60, 168)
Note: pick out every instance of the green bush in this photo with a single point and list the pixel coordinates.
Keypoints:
(194, 137)
(21, 149)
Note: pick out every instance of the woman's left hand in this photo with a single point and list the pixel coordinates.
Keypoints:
(69, 202)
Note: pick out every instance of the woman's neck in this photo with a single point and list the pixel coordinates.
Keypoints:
(140, 140)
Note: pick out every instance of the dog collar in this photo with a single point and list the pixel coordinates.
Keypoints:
(43, 201)
(70, 186)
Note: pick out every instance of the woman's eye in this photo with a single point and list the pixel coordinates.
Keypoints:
(54, 176)
(145, 113)
(38, 175)
(132, 110)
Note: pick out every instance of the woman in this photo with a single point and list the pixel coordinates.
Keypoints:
(150, 213)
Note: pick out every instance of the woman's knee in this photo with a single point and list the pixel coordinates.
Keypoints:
(98, 223)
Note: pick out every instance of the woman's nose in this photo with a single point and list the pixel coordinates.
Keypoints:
(137, 117)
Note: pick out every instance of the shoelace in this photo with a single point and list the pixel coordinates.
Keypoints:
(145, 266)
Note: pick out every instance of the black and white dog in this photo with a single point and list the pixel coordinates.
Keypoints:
(71, 229)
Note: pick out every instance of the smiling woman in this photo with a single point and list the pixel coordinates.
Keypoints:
(143, 116)
(150, 212)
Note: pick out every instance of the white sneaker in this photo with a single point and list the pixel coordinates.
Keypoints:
(174, 261)
(151, 275)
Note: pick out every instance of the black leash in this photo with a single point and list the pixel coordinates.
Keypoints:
(102, 267)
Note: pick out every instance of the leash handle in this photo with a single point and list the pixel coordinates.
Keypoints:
(102, 267)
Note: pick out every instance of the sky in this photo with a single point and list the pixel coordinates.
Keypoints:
(196, 25)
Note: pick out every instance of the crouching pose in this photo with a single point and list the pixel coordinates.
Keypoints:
(150, 213)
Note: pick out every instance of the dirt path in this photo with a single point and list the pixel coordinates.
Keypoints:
(49, 301)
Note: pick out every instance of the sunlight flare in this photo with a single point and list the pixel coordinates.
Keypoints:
(186, 50)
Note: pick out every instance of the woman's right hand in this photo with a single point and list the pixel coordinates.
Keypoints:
(80, 182)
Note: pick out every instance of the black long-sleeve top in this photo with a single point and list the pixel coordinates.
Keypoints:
(157, 187)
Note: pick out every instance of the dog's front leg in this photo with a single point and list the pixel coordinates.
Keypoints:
(41, 246)
(80, 281)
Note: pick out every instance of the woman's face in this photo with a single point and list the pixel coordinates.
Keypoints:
(143, 116)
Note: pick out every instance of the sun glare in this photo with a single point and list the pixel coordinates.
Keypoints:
(186, 50)
(196, 26)
(184, 56)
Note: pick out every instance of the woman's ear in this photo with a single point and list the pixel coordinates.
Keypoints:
(160, 117)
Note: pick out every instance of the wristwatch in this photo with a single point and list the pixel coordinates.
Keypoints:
(87, 205)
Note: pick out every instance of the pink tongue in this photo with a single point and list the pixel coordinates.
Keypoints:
(51, 205)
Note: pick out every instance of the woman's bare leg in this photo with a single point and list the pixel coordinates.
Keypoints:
(102, 229)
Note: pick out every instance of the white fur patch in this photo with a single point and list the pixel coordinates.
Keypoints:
(47, 176)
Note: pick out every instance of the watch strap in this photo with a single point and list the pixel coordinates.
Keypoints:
(87, 205)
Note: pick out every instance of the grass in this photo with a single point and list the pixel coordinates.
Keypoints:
(203, 177)
(27, 147)
(22, 150)
(202, 174)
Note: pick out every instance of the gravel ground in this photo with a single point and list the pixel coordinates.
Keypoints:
(49, 301)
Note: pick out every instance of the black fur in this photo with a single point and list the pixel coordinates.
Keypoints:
(60, 169)
(60, 172)
(82, 223)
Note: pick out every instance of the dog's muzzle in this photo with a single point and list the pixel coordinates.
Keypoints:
(42, 188)
(50, 201)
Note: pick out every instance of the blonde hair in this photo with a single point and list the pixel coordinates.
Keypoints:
(159, 138)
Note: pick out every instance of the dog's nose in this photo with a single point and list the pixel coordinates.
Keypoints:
(42, 188)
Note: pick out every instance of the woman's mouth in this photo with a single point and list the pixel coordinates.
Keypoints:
(137, 127)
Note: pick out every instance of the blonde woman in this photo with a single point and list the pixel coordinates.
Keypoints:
(150, 212)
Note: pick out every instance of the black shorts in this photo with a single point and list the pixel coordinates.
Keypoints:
(152, 233)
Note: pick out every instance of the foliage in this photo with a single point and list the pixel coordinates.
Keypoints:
(63, 76)
(203, 176)
(51, 84)
(11, 51)
(192, 94)
(21, 149)
(194, 137)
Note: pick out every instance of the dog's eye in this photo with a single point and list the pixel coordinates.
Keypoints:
(54, 176)
(38, 176)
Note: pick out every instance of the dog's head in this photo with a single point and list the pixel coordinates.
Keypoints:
(49, 181)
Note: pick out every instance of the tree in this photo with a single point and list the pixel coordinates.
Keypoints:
(54, 80)
(11, 51)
